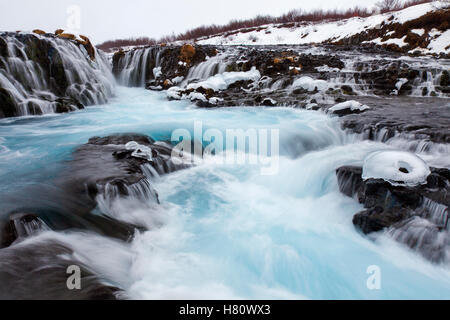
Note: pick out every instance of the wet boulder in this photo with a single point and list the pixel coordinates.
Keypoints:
(20, 225)
(38, 271)
(118, 162)
(396, 209)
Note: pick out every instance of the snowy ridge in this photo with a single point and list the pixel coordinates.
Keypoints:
(333, 32)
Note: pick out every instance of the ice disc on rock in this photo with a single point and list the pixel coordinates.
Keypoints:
(396, 167)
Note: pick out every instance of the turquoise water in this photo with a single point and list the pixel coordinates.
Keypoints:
(226, 231)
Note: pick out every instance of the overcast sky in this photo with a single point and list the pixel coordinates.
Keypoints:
(111, 19)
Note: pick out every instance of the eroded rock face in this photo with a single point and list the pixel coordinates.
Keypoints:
(139, 64)
(406, 213)
(108, 160)
(44, 73)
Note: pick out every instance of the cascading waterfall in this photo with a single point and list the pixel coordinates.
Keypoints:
(137, 66)
(210, 67)
(38, 70)
(357, 75)
(427, 81)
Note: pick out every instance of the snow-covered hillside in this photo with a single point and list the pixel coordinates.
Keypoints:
(432, 39)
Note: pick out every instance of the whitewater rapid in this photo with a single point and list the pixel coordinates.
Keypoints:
(225, 231)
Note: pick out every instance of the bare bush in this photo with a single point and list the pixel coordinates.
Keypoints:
(388, 5)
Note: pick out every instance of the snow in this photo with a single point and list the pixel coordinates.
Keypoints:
(326, 68)
(440, 43)
(352, 105)
(310, 84)
(157, 72)
(139, 151)
(274, 34)
(400, 83)
(193, 96)
(419, 32)
(396, 167)
(177, 80)
(397, 41)
(174, 93)
(215, 100)
(223, 80)
(270, 101)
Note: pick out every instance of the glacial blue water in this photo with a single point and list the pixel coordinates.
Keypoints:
(226, 231)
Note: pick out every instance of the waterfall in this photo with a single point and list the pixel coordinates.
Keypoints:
(210, 67)
(36, 72)
(137, 66)
(427, 82)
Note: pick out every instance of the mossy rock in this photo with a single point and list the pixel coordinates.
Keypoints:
(68, 36)
(86, 43)
(187, 52)
(38, 31)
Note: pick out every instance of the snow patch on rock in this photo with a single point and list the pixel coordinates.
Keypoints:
(224, 80)
(351, 105)
(310, 84)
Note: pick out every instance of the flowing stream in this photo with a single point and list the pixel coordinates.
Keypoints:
(225, 231)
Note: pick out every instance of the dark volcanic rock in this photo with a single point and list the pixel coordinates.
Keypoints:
(8, 106)
(399, 208)
(38, 271)
(414, 118)
(59, 76)
(20, 225)
(377, 219)
(103, 166)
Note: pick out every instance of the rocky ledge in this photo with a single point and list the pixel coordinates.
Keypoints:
(395, 94)
(104, 170)
(416, 216)
(45, 73)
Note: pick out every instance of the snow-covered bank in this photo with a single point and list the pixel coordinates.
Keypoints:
(336, 31)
